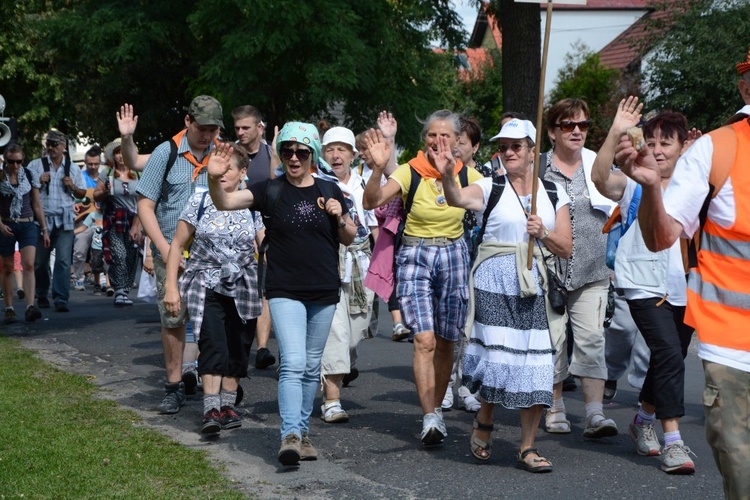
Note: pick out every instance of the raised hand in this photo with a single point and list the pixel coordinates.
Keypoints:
(379, 147)
(126, 120)
(443, 161)
(219, 162)
(693, 135)
(628, 114)
(387, 124)
(641, 167)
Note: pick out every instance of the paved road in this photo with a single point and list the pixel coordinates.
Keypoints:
(378, 453)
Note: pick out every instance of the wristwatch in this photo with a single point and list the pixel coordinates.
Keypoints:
(342, 223)
(546, 233)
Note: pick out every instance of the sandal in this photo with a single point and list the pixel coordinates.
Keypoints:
(534, 466)
(479, 448)
(555, 422)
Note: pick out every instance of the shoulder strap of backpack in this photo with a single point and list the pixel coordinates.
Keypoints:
(28, 174)
(66, 166)
(413, 185)
(201, 207)
(498, 185)
(495, 164)
(172, 158)
(45, 163)
(543, 158)
(551, 189)
(463, 177)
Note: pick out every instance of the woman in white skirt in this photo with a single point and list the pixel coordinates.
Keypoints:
(510, 357)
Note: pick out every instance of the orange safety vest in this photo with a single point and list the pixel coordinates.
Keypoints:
(719, 288)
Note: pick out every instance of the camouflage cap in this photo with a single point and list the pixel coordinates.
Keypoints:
(56, 135)
(206, 111)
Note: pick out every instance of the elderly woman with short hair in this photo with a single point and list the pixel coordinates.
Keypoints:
(433, 260)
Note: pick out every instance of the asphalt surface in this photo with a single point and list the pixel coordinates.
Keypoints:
(377, 454)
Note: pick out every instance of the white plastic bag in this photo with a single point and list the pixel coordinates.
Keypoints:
(147, 288)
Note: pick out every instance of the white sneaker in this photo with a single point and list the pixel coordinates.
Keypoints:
(675, 459)
(332, 413)
(78, 286)
(645, 439)
(433, 429)
(447, 403)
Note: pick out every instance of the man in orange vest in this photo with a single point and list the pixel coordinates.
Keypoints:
(712, 174)
(174, 171)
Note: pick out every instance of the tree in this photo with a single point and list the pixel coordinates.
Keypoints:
(584, 77)
(692, 69)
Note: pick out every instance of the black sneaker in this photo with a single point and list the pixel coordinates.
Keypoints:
(43, 302)
(32, 314)
(61, 307)
(229, 418)
(10, 316)
(264, 358)
(173, 399)
(610, 389)
(211, 422)
(353, 374)
(190, 379)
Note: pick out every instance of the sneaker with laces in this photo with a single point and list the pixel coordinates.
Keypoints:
(173, 399)
(229, 418)
(32, 314)
(400, 332)
(645, 439)
(78, 286)
(290, 451)
(447, 404)
(599, 427)
(675, 459)
(307, 450)
(211, 422)
(10, 316)
(190, 380)
(332, 413)
(433, 429)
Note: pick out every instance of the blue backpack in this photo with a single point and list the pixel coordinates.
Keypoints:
(617, 230)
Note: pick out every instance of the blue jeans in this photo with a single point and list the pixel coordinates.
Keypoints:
(62, 242)
(301, 330)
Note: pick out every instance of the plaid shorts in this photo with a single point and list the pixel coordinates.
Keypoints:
(433, 288)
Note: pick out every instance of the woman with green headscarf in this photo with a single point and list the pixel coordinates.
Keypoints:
(305, 222)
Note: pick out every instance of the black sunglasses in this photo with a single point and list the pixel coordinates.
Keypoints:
(14, 162)
(515, 147)
(569, 126)
(302, 154)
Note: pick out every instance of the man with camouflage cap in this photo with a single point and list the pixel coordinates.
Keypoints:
(62, 183)
(175, 170)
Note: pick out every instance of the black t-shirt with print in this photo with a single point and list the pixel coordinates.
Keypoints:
(303, 262)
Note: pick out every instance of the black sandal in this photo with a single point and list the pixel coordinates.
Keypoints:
(479, 448)
(534, 466)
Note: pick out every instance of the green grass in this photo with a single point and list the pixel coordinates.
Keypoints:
(57, 440)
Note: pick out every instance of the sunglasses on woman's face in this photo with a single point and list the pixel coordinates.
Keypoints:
(14, 162)
(515, 147)
(569, 126)
(302, 154)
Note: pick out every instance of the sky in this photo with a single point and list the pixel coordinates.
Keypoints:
(467, 12)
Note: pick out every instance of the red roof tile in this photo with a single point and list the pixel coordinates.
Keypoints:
(632, 43)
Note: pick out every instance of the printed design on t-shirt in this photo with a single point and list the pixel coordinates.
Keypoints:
(354, 214)
(304, 213)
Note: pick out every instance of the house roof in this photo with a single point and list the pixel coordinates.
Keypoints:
(635, 41)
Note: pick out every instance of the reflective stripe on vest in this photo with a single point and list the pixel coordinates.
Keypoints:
(719, 288)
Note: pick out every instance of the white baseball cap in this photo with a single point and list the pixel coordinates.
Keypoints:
(517, 129)
(340, 134)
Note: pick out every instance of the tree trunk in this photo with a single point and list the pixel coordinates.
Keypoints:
(520, 24)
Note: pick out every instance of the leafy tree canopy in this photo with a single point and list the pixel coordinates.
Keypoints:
(692, 69)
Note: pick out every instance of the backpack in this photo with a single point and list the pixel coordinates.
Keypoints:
(498, 185)
(616, 227)
(66, 169)
(273, 193)
(463, 177)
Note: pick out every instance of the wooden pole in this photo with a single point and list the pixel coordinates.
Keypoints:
(539, 115)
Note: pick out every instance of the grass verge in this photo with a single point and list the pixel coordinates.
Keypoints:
(58, 441)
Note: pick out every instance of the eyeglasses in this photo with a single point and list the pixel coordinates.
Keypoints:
(302, 154)
(52, 144)
(515, 147)
(569, 126)
(14, 162)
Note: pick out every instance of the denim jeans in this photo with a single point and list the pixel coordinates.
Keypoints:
(62, 242)
(301, 330)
